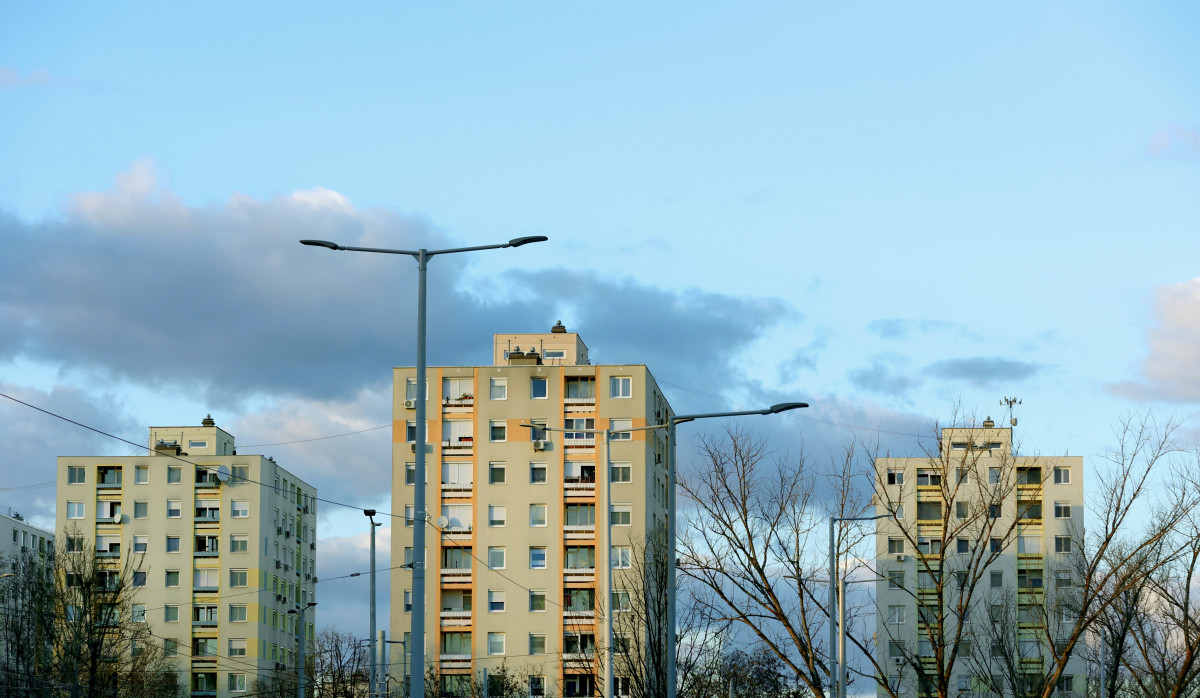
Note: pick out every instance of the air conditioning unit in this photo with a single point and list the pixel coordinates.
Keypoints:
(306, 509)
(315, 579)
(278, 564)
(901, 558)
(410, 404)
(897, 660)
(287, 534)
(278, 530)
(539, 444)
(279, 597)
(312, 546)
(286, 567)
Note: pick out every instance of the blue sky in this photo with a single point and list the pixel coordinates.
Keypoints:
(884, 210)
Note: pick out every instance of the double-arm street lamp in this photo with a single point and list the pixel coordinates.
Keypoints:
(672, 456)
(422, 256)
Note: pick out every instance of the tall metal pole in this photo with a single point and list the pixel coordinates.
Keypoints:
(417, 678)
(371, 651)
(383, 663)
(300, 655)
(842, 638)
(669, 544)
(832, 611)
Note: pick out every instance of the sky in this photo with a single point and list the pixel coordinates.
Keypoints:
(896, 213)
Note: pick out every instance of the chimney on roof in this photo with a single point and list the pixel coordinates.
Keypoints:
(208, 421)
(558, 328)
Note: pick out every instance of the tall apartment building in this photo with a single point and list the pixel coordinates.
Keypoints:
(18, 536)
(516, 537)
(223, 545)
(977, 556)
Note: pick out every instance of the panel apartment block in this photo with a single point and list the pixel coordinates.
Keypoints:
(515, 576)
(224, 545)
(981, 536)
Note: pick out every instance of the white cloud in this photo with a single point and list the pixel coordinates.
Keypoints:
(1171, 369)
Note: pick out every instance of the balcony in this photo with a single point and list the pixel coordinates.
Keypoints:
(579, 532)
(209, 516)
(205, 623)
(462, 446)
(108, 478)
(579, 440)
(455, 575)
(579, 575)
(456, 618)
(457, 489)
(579, 489)
(460, 401)
(571, 616)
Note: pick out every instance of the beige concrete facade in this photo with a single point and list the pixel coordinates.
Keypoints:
(515, 576)
(979, 533)
(221, 559)
(18, 536)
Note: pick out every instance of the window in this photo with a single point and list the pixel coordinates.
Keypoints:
(197, 444)
(107, 510)
(141, 510)
(620, 601)
(408, 601)
(496, 558)
(895, 477)
(239, 543)
(495, 473)
(172, 578)
(537, 601)
(74, 510)
(172, 544)
(928, 478)
(140, 543)
(895, 615)
(1062, 579)
(171, 613)
(996, 545)
(170, 647)
(174, 508)
(1030, 649)
(239, 509)
(964, 476)
(895, 649)
(537, 686)
(537, 473)
(620, 515)
(929, 511)
(206, 578)
(994, 511)
(409, 513)
(899, 511)
(1062, 510)
(237, 613)
(620, 386)
(410, 389)
(499, 430)
(1029, 579)
(76, 475)
(964, 546)
(174, 475)
(237, 682)
(410, 473)
(537, 388)
(929, 546)
(495, 643)
(621, 472)
(993, 476)
(621, 557)
(1062, 476)
(139, 613)
(997, 579)
(537, 644)
(139, 579)
(895, 546)
(537, 514)
(960, 510)
(410, 432)
(237, 578)
(496, 601)
(497, 515)
(498, 389)
(1029, 545)
(616, 424)
(537, 558)
(1066, 684)
(896, 579)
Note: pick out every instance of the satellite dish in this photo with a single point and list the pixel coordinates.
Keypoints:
(222, 473)
(116, 519)
(442, 522)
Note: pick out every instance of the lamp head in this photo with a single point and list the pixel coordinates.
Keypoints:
(321, 243)
(368, 512)
(785, 406)
(517, 242)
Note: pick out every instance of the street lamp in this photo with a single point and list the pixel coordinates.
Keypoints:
(672, 455)
(838, 688)
(371, 681)
(405, 664)
(418, 588)
(301, 669)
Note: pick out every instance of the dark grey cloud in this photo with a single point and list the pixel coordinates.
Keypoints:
(33, 441)
(901, 328)
(983, 371)
(223, 302)
(879, 378)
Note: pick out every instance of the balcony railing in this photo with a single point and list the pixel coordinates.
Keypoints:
(447, 657)
(580, 400)
(579, 441)
(204, 623)
(209, 516)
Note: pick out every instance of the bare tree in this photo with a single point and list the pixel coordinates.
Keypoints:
(339, 665)
(754, 544)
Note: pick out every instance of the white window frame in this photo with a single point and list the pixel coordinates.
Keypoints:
(178, 505)
(620, 387)
(141, 474)
(76, 470)
(498, 386)
(1062, 475)
(502, 468)
(495, 640)
(497, 516)
(502, 425)
(532, 550)
(534, 519)
(244, 510)
(618, 428)
(76, 510)
(1062, 510)
(497, 601)
(620, 472)
(501, 552)
(621, 557)
(545, 382)
(234, 609)
(616, 512)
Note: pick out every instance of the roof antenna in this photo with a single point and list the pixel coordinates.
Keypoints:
(1010, 402)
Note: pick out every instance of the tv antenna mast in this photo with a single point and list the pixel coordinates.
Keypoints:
(1010, 403)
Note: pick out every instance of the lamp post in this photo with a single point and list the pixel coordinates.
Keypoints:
(371, 681)
(834, 685)
(301, 669)
(422, 256)
(404, 662)
(672, 455)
